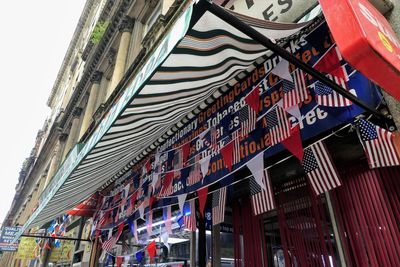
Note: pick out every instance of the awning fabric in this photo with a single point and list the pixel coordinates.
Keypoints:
(200, 55)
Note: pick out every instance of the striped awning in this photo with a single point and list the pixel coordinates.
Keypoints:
(196, 62)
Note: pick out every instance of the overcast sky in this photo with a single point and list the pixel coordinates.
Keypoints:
(34, 38)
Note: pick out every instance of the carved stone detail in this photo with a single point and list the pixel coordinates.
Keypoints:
(77, 112)
(63, 137)
(96, 77)
(126, 24)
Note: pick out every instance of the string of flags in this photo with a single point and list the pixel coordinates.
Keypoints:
(154, 180)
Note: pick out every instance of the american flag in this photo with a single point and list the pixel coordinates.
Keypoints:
(190, 219)
(261, 200)
(294, 93)
(167, 219)
(248, 120)
(319, 168)
(149, 224)
(218, 206)
(195, 175)
(278, 125)
(325, 96)
(378, 145)
(125, 246)
(331, 64)
(109, 244)
(210, 137)
(235, 140)
(167, 184)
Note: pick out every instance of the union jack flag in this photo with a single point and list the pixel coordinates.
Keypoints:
(378, 145)
(294, 93)
(278, 125)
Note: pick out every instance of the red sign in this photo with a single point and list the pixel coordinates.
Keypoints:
(366, 41)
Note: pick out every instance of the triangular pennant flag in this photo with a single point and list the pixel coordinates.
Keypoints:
(203, 133)
(119, 261)
(151, 249)
(131, 226)
(253, 99)
(204, 164)
(167, 219)
(139, 256)
(167, 182)
(202, 194)
(126, 260)
(133, 198)
(154, 180)
(141, 211)
(120, 229)
(282, 70)
(149, 224)
(181, 202)
(156, 160)
(185, 151)
(293, 110)
(227, 155)
(102, 256)
(164, 238)
(135, 234)
(151, 201)
(256, 167)
(293, 143)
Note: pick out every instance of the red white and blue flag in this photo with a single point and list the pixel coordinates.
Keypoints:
(262, 200)
(331, 65)
(278, 125)
(294, 92)
(320, 169)
(378, 145)
(190, 219)
(248, 120)
(218, 206)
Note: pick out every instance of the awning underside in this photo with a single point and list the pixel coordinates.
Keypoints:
(207, 60)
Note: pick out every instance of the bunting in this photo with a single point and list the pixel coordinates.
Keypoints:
(278, 125)
(204, 164)
(330, 64)
(378, 144)
(152, 249)
(253, 99)
(167, 219)
(319, 168)
(149, 224)
(256, 167)
(293, 143)
(262, 200)
(181, 202)
(218, 206)
(202, 194)
(282, 70)
(190, 218)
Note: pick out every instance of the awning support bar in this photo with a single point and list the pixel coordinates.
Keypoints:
(57, 237)
(246, 29)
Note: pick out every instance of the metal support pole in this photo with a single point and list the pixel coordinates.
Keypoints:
(57, 237)
(336, 234)
(249, 31)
